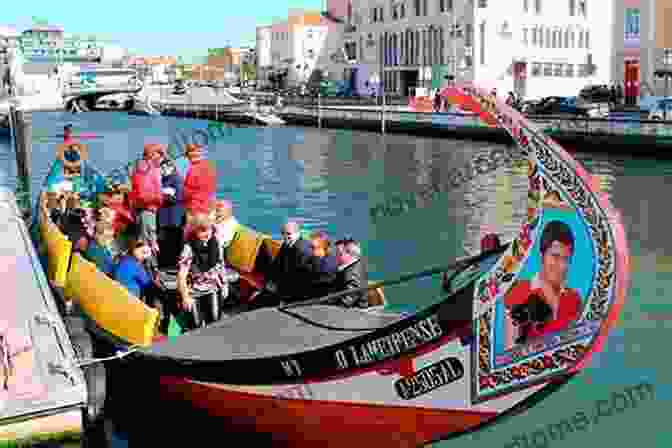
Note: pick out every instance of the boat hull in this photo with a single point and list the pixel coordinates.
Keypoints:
(307, 423)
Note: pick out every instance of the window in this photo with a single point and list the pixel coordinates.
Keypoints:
(482, 3)
(537, 6)
(572, 39)
(569, 70)
(566, 38)
(526, 5)
(416, 7)
(583, 70)
(632, 23)
(525, 42)
(582, 8)
(469, 35)
(534, 36)
(424, 7)
(445, 5)
(548, 69)
(395, 12)
(581, 39)
(482, 37)
(587, 40)
(557, 70)
(548, 38)
(572, 7)
(536, 69)
(554, 40)
(541, 36)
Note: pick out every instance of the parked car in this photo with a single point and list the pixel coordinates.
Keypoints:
(595, 94)
(554, 105)
(649, 102)
(661, 110)
(180, 88)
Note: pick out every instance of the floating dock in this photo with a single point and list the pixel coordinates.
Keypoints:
(45, 390)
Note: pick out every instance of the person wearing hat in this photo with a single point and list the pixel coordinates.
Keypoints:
(200, 184)
(147, 196)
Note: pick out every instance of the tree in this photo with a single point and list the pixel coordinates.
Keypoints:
(248, 71)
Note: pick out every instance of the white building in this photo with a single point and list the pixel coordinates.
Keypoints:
(263, 48)
(288, 51)
(535, 47)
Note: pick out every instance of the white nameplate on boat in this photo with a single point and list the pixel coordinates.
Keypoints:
(421, 332)
(429, 378)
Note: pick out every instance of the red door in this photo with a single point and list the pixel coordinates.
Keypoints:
(631, 79)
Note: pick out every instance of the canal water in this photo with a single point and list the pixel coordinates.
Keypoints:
(330, 179)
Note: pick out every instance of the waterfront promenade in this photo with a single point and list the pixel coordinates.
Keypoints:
(622, 135)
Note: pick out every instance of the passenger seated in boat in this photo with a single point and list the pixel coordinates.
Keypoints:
(72, 222)
(117, 200)
(546, 295)
(170, 216)
(286, 274)
(131, 273)
(203, 273)
(147, 195)
(101, 250)
(56, 207)
(225, 224)
(322, 267)
(200, 183)
(351, 274)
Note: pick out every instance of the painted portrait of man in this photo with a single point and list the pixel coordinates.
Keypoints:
(544, 304)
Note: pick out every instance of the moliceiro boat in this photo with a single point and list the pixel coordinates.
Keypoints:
(515, 323)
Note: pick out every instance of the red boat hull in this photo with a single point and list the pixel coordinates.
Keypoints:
(310, 423)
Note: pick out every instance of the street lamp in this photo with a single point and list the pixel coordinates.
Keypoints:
(324, 74)
(665, 73)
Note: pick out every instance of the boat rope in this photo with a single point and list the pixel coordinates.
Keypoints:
(118, 355)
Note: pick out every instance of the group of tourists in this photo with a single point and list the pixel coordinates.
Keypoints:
(312, 267)
(169, 221)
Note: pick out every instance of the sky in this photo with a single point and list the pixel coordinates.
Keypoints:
(157, 28)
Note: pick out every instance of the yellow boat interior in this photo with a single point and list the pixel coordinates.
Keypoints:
(126, 317)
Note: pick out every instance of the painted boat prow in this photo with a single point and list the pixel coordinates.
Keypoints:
(561, 190)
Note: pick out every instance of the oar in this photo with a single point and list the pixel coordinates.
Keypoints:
(460, 263)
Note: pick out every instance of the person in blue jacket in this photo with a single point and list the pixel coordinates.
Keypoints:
(170, 216)
(131, 273)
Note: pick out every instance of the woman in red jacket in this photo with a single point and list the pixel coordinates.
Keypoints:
(546, 291)
(147, 196)
(200, 184)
